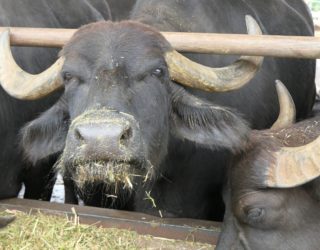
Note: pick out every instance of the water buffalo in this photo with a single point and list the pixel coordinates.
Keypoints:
(13, 112)
(130, 136)
(272, 198)
(120, 9)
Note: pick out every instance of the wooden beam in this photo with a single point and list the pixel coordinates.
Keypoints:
(171, 228)
(223, 44)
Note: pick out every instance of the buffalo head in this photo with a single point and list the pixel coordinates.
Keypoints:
(272, 196)
(120, 107)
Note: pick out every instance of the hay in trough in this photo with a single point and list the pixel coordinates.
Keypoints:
(39, 231)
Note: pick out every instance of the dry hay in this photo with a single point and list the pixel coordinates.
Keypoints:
(39, 231)
(110, 173)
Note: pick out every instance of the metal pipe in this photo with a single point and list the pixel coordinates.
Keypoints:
(224, 44)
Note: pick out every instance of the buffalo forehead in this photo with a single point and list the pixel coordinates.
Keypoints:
(256, 159)
(113, 45)
(249, 169)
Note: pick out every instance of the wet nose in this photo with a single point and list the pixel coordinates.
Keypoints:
(106, 139)
(105, 133)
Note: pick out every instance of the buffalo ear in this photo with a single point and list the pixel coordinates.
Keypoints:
(46, 135)
(204, 123)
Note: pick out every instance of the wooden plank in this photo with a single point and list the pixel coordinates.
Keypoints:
(224, 44)
(179, 229)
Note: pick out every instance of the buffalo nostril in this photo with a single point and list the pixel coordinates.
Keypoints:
(126, 136)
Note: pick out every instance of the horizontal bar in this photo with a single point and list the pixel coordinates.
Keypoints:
(39, 37)
(178, 229)
(223, 44)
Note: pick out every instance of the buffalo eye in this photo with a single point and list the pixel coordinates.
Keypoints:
(254, 215)
(158, 72)
(67, 77)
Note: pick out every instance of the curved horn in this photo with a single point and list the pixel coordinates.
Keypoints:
(287, 114)
(294, 166)
(195, 75)
(21, 84)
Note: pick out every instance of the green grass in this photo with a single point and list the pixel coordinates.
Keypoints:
(39, 231)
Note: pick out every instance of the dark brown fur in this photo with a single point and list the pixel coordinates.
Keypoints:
(271, 218)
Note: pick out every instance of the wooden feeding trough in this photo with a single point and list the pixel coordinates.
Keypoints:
(177, 229)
